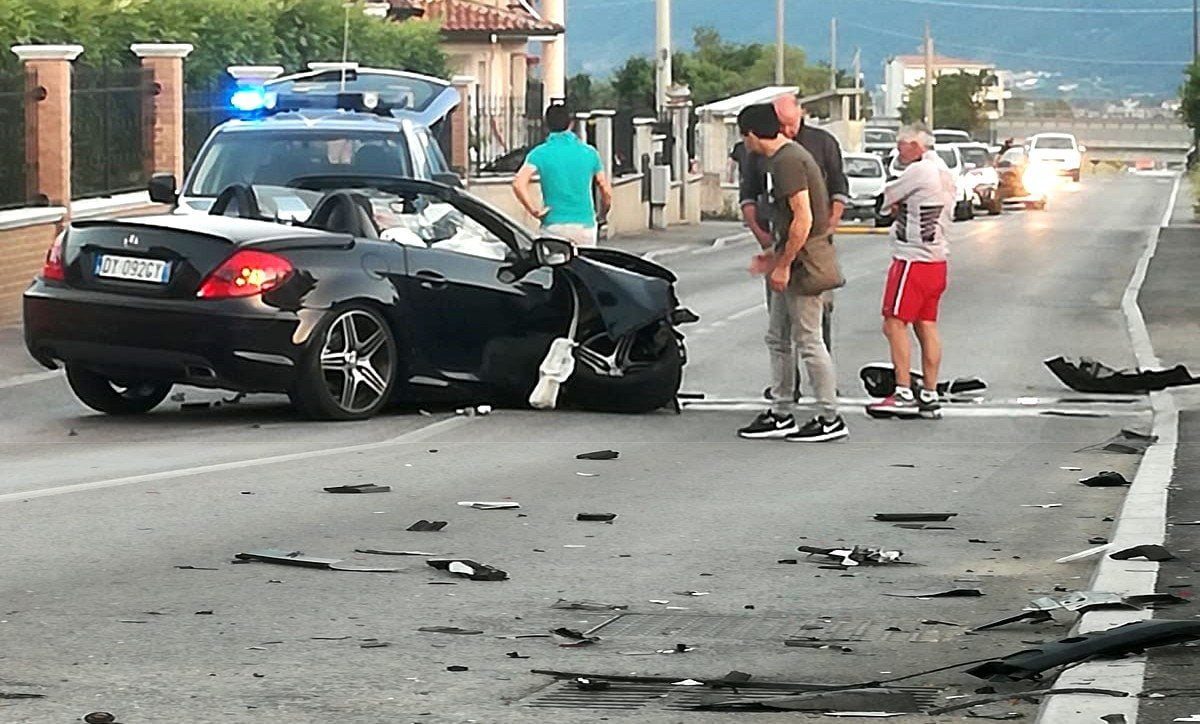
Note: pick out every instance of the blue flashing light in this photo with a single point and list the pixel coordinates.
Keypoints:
(249, 99)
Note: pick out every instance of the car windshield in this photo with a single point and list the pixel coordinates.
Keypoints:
(395, 91)
(1013, 157)
(271, 158)
(862, 167)
(875, 135)
(949, 157)
(1054, 142)
(950, 136)
(978, 156)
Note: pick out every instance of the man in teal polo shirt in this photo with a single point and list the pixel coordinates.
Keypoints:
(567, 168)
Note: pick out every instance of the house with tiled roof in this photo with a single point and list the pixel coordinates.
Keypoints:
(489, 40)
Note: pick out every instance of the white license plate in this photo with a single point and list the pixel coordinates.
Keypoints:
(133, 269)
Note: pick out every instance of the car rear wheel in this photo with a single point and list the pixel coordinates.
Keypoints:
(640, 372)
(112, 397)
(348, 371)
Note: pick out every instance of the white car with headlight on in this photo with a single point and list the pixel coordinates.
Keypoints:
(980, 176)
(1057, 151)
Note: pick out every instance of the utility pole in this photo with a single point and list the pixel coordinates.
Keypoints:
(928, 77)
(780, 48)
(833, 54)
(662, 54)
(1195, 38)
(858, 84)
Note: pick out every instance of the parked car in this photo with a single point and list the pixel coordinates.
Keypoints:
(980, 175)
(392, 290)
(1022, 182)
(879, 141)
(964, 202)
(950, 135)
(380, 122)
(866, 176)
(1059, 151)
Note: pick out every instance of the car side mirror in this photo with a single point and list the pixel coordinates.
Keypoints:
(449, 179)
(553, 252)
(162, 189)
(1082, 148)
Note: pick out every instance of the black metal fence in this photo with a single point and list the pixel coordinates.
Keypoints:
(12, 140)
(204, 108)
(107, 126)
(503, 130)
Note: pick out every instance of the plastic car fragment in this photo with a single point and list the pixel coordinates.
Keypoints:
(599, 517)
(599, 455)
(1035, 616)
(937, 593)
(914, 517)
(1127, 442)
(879, 380)
(489, 505)
(363, 488)
(1105, 479)
(296, 558)
(427, 526)
(857, 555)
(1130, 638)
(586, 606)
(1090, 375)
(449, 630)
(1148, 552)
(1024, 695)
(848, 700)
(377, 552)
(468, 569)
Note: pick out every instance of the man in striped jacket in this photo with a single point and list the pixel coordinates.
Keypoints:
(923, 199)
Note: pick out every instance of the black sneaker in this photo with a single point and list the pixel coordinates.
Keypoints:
(819, 429)
(929, 406)
(768, 425)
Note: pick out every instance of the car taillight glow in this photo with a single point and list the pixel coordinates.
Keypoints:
(54, 269)
(245, 274)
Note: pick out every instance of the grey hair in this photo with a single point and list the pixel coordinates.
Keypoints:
(916, 132)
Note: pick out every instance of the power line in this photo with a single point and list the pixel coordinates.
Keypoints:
(1048, 9)
(1033, 56)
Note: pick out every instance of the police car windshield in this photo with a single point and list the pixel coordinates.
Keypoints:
(273, 158)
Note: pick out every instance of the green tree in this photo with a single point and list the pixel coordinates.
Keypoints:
(955, 102)
(633, 85)
(1189, 95)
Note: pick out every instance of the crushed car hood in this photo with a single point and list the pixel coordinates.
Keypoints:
(625, 299)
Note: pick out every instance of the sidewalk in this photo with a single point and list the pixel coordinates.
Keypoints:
(1172, 311)
(678, 238)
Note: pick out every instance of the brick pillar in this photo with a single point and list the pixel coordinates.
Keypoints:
(460, 125)
(604, 138)
(163, 106)
(48, 120)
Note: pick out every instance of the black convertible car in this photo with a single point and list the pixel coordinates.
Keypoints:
(347, 293)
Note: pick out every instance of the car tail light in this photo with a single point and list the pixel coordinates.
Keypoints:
(54, 268)
(245, 274)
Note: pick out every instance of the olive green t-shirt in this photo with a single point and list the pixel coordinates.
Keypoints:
(791, 170)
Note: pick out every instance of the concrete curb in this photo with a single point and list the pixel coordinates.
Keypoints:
(1143, 519)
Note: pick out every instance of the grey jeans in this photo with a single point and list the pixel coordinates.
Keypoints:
(794, 324)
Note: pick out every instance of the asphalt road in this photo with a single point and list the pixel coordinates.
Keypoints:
(98, 514)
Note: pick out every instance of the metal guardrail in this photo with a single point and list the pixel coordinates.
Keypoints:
(13, 192)
(107, 126)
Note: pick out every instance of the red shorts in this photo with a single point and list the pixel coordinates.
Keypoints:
(914, 289)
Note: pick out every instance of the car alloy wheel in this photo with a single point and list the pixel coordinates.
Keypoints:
(357, 361)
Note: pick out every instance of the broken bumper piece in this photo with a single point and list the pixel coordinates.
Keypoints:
(468, 569)
(1130, 638)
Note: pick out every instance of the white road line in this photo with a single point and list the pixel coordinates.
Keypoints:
(856, 406)
(28, 379)
(1142, 520)
(657, 253)
(408, 437)
(746, 312)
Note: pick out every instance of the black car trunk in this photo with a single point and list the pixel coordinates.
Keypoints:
(141, 260)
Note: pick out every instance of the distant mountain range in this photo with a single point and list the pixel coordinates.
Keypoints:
(1103, 55)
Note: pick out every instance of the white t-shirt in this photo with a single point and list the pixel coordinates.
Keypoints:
(924, 193)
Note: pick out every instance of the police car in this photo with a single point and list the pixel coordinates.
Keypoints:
(339, 121)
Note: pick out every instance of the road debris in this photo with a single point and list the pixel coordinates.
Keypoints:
(20, 695)
(879, 380)
(297, 558)
(564, 604)
(585, 684)
(486, 505)
(970, 702)
(588, 475)
(937, 593)
(468, 569)
(574, 638)
(599, 455)
(100, 717)
(914, 517)
(1105, 479)
(374, 645)
(1070, 468)
(679, 649)
(515, 655)
(692, 593)
(862, 700)
(1126, 442)
(1129, 638)
(450, 630)
(922, 526)
(377, 552)
(1091, 375)
(687, 682)
(1081, 555)
(1041, 505)
(457, 668)
(362, 488)
(600, 517)
(426, 526)
(196, 568)
(857, 555)
(1148, 552)
(480, 410)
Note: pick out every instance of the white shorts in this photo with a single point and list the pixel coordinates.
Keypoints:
(577, 234)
